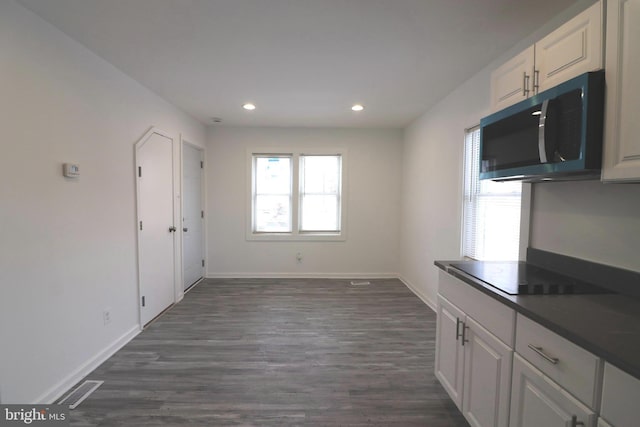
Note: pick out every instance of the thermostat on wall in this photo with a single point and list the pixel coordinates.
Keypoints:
(71, 170)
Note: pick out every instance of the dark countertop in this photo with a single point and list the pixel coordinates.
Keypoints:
(607, 325)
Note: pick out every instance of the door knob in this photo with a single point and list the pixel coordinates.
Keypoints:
(185, 229)
(172, 229)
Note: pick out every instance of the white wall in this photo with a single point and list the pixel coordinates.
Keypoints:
(373, 200)
(588, 219)
(68, 247)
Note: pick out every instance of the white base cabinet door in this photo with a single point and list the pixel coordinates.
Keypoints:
(622, 128)
(603, 423)
(487, 374)
(449, 353)
(538, 401)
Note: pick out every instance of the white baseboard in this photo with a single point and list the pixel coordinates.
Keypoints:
(419, 294)
(302, 275)
(63, 386)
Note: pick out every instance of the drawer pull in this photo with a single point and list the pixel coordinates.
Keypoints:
(458, 322)
(544, 355)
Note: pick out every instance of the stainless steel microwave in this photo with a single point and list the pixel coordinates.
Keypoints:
(554, 135)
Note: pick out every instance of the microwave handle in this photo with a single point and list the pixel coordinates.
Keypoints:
(542, 143)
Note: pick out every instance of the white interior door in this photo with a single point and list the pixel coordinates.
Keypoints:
(192, 221)
(156, 231)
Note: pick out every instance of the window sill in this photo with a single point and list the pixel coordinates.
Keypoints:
(296, 237)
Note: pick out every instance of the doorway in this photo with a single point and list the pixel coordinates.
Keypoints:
(156, 229)
(192, 215)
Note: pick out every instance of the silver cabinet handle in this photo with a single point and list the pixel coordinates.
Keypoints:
(574, 422)
(525, 85)
(464, 333)
(458, 323)
(542, 142)
(536, 81)
(545, 356)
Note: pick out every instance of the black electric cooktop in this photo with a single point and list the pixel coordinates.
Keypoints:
(520, 278)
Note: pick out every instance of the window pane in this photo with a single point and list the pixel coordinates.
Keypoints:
(320, 213)
(273, 175)
(272, 214)
(491, 217)
(320, 193)
(272, 194)
(321, 174)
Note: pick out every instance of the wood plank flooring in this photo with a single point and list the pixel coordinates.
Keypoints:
(278, 352)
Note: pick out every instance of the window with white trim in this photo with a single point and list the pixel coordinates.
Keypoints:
(296, 196)
(491, 210)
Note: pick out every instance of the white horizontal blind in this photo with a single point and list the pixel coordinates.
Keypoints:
(491, 210)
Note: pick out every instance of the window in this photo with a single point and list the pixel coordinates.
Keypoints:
(491, 210)
(296, 196)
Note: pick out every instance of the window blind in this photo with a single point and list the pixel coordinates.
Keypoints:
(491, 210)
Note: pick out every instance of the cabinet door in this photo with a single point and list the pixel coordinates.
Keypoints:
(603, 423)
(449, 353)
(622, 128)
(538, 401)
(571, 50)
(487, 377)
(512, 82)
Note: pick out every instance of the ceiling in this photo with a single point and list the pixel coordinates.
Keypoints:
(302, 62)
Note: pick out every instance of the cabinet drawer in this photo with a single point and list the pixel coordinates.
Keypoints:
(577, 370)
(620, 397)
(491, 314)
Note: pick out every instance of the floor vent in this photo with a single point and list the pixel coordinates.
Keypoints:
(360, 283)
(81, 392)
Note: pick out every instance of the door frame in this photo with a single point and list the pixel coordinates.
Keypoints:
(186, 141)
(153, 130)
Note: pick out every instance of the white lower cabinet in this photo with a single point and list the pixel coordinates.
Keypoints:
(620, 398)
(474, 366)
(603, 423)
(538, 401)
(449, 353)
(487, 375)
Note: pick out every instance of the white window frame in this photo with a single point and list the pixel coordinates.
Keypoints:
(525, 207)
(296, 234)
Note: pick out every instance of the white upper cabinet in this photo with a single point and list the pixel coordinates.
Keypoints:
(622, 128)
(573, 49)
(513, 81)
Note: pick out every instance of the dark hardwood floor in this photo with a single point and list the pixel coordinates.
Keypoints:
(278, 352)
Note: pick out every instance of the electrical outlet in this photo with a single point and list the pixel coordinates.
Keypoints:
(106, 316)
(299, 258)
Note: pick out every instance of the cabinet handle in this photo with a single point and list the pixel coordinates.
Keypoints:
(458, 322)
(536, 81)
(525, 85)
(541, 353)
(574, 422)
(464, 333)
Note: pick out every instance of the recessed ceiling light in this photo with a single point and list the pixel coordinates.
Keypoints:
(357, 107)
(249, 106)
